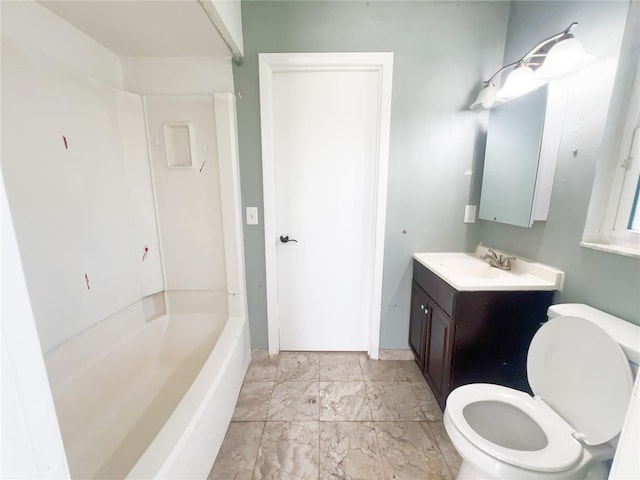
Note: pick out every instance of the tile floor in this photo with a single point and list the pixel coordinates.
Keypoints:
(335, 416)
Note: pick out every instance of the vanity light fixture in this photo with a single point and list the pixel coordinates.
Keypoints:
(564, 57)
(557, 55)
(520, 81)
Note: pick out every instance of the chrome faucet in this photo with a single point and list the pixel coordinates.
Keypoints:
(498, 261)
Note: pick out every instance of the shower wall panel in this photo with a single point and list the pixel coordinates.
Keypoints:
(188, 197)
(69, 172)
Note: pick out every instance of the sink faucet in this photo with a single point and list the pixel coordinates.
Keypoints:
(498, 261)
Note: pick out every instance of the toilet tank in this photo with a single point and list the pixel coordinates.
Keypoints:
(625, 333)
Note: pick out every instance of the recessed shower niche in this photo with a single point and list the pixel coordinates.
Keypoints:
(177, 144)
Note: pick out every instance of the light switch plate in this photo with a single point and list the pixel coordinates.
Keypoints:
(252, 215)
(470, 214)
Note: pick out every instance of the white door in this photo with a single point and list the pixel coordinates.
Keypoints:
(325, 141)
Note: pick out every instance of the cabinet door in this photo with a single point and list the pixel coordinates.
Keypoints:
(418, 322)
(515, 131)
(439, 352)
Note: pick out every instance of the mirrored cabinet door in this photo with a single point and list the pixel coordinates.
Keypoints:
(518, 140)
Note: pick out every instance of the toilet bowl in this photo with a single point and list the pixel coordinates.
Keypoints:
(582, 383)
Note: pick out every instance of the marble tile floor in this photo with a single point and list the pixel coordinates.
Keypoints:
(335, 416)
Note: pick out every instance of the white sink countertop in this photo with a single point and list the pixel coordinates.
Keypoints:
(467, 272)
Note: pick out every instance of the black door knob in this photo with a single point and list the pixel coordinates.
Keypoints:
(286, 239)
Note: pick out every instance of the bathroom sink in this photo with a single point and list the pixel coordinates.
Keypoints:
(468, 272)
(467, 266)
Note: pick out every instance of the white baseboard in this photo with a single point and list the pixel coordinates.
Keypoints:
(396, 354)
(387, 354)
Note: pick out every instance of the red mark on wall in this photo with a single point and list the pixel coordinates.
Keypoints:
(86, 279)
(146, 250)
(66, 145)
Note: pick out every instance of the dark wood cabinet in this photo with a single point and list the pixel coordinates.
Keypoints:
(418, 323)
(439, 348)
(461, 337)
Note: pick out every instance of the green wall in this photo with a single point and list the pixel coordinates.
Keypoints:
(604, 280)
(442, 50)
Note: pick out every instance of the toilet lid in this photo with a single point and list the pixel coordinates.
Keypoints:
(583, 374)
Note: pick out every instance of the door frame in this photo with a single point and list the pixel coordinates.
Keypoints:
(272, 63)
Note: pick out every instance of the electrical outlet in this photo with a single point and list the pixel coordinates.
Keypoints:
(252, 215)
(470, 214)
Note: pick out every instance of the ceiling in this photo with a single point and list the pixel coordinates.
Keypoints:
(144, 28)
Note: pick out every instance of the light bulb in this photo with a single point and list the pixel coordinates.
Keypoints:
(520, 81)
(564, 57)
(487, 98)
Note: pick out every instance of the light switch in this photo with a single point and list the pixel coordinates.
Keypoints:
(470, 214)
(252, 215)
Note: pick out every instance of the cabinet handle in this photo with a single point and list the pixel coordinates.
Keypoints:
(421, 307)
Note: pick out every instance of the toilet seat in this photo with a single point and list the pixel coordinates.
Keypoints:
(562, 450)
(582, 381)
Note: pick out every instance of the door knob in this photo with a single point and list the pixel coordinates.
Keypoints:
(286, 239)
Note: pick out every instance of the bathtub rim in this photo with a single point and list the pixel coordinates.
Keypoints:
(165, 449)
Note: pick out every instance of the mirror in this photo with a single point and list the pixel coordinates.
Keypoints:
(522, 146)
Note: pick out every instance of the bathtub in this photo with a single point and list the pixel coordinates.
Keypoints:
(150, 391)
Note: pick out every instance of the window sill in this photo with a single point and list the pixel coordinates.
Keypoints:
(610, 248)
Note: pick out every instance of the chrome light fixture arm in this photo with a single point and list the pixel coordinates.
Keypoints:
(535, 51)
(490, 81)
(541, 59)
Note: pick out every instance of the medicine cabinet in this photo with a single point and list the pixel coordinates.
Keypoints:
(520, 157)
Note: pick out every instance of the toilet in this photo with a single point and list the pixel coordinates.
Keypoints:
(581, 366)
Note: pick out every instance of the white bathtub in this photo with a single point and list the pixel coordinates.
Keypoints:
(149, 392)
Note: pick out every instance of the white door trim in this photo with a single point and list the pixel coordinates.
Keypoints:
(270, 63)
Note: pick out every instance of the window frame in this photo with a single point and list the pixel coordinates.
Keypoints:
(625, 182)
(611, 207)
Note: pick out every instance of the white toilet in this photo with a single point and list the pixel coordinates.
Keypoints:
(581, 366)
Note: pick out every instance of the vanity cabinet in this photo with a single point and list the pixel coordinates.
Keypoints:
(439, 350)
(462, 337)
(418, 322)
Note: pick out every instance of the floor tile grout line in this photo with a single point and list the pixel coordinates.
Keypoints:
(437, 445)
(255, 461)
(266, 417)
(375, 430)
(319, 450)
(264, 424)
(413, 392)
(384, 469)
(366, 391)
